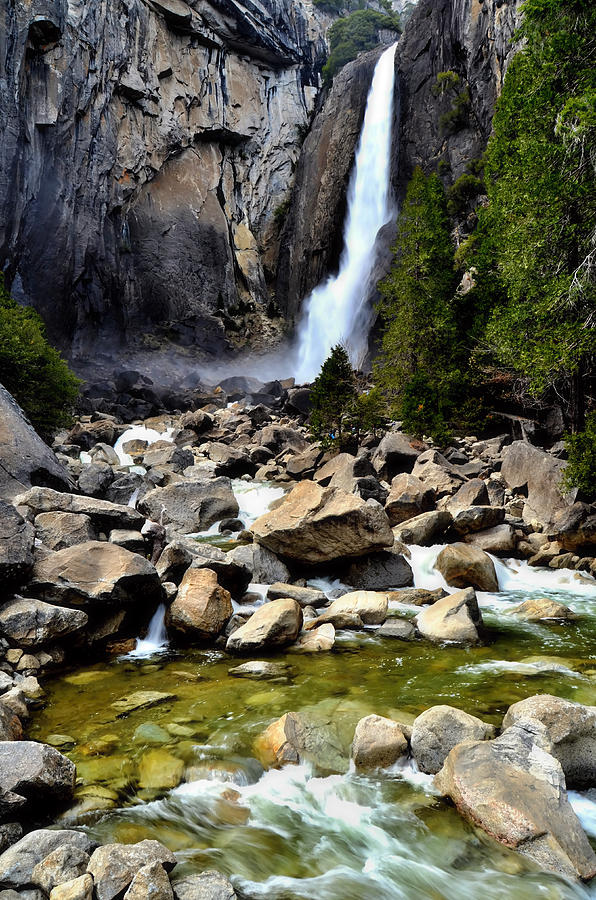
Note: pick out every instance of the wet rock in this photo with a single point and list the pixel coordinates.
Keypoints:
(209, 885)
(500, 540)
(417, 596)
(18, 862)
(571, 728)
(396, 454)
(514, 790)
(316, 525)
(305, 596)
(462, 566)
(275, 624)
(31, 623)
(425, 529)
(408, 497)
(302, 737)
(316, 640)
(378, 743)
(80, 888)
(456, 619)
(191, 506)
(438, 730)
(141, 700)
(368, 606)
(536, 609)
(160, 770)
(36, 772)
(103, 514)
(25, 457)
(114, 866)
(150, 883)
(477, 518)
(58, 530)
(201, 608)
(526, 468)
(95, 573)
(16, 546)
(62, 864)
(399, 629)
(380, 571)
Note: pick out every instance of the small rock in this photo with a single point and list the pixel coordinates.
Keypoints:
(378, 743)
(150, 883)
(78, 889)
(114, 866)
(209, 885)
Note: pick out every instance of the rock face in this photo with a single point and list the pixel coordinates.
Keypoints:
(185, 158)
(275, 624)
(515, 790)
(461, 565)
(539, 473)
(26, 460)
(456, 618)
(438, 730)
(318, 525)
(202, 607)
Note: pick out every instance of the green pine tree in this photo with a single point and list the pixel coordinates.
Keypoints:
(333, 396)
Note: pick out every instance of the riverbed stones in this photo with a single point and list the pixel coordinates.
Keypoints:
(464, 566)
(320, 525)
(514, 789)
(398, 629)
(408, 497)
(33, 623)
(18, 862)
(368, 606)
(93, 574)
(305, 596)
(150, 883)
(16, 546)
(438, 730)
(378, 743)
(316, 640)
(380, 571)
(454, 619)
(275, 624)
(417, 596)
(477, 518)
(191, 506)
(141, 700)
(10, 724)
(260, 669)
(80, 888)
(36, 772)
(265, 566)
(180, 554)
(571, 727)
(302, 737)
(201, 608)
(500, 540)
(160, 770)
(425, 529)
(209, 885)
(114, 866)
(57, 530)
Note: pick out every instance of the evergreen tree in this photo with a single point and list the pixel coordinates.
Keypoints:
(541, 218)
(333, 396)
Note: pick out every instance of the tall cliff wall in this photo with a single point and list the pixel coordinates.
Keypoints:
(146, 147)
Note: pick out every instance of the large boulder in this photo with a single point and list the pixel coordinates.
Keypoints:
(26, 460)
(60, 866)
(370, 607)
(209, 885)
(17, 538)
(438, 730)
(103, 514)
(473, 493)
(575, 529)
(571, 728)
(500, 540)
(275, 624)
(438, 473)
(265, 567)
(378, 743)
(380, 571)
(114, 866)
(514, 789)
(37, 772)
(426, 529)
(201, 608)
(150, 883)
(57, 530)
(191, 505)
(32, 623)
(182, 553)
(538, 474)
(407, 498)
(319, 525)
(18, 862)
(95, 573)
(306, 736)
(316, 640)
(463, 566)
(305, 596)
(395, 454)
(454, 619)
(477, 518)
(341, 470)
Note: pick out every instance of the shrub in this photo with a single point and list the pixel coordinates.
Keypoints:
(466, 188)
(458, 116)
(32, 370)
(351, 35)
(581, 468)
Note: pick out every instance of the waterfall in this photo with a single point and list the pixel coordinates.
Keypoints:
(156, 640)
(336, 310)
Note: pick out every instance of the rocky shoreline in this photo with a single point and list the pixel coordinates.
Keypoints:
(111, 523)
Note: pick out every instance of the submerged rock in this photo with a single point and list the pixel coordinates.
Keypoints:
(456, 619)
(536, 609)
(464, 566)
(378, 743)
(260, 669)
(141, 700)
(438, 730)
(275, 624)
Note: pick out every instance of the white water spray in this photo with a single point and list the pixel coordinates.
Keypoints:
(336, 310)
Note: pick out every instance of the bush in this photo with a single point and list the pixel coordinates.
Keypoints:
(33, 371)
(351, 35)
(581, 468)
(458, 116)
(465, 189)
(333, 397)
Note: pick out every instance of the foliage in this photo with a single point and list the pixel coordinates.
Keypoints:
(369, 412)
(351, 35)
(581, 468)
(458, 116)
(32, 370)
(466, 188)
(445, 81)
(541, 218)
(280, 213)
(333, 396)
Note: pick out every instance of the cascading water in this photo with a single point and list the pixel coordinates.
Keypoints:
(336, 310)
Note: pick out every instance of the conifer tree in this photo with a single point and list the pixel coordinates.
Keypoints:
(333, 396)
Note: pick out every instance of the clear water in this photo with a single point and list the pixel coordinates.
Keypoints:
(290, 834)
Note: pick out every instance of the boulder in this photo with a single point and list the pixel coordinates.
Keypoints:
(536, 609)
(417, 596)
(408, 497)
(368, 606)
(281, 437)
(260, 670)
(438, 730)
(57, 530)
(26, 460)
(182, 553)
(86, 435)
(17, 538)
(37, 772)
(575, 529)
(463, 566)
(95, 573)
(571, 728)
(209, 885)
(395, 454)
(275, 624)
(306, 736)
(380, 571)
(150, 883)
(10, 724)
(201, 608)
(454, 619)
(473, 493)
(18, 862)
(437, 473)
(32, 623)
(477, 518)
(104, 515)
(425, 529)
(316, 640)
(514, 789)
(378, 743)
(303, 464)
(538, 474)
(62, 864)
(95, 479)
(305, 596)
(114, 866)
(397, 629)
(230, 460)
(80, 888)
(318, 525)
(191, 506)
(500, 540)
(265, 566)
